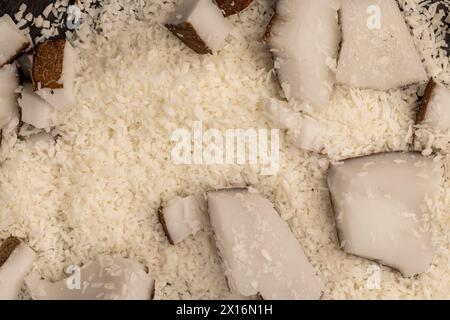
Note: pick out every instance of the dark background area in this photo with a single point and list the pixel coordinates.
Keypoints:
(36, 7)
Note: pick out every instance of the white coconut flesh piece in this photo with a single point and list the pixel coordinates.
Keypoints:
(181, 218)
(378, 51)
(26, 64)
(53, 73)
(12, 41)
(35, 110)
(259, 252)
(200, 25)
(379, 203)
(304, 37)
(8, 97)
(435, 109)
(280, 113)
(230, 7)
(16, 260)
(310, 135)
(105, 278)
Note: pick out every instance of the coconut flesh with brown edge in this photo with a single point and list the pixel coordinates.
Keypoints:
(16, 260)
(53, 73)
(230, 7)
(200, 25)
(181, 218)
(435, 108)
(12, 41)
(303, 37)
(379, 204)
(259, 252)
(105, 278)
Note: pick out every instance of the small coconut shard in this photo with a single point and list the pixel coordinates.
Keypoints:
(230, 7)
(53, 73)
(200, 25)
(181, 218)
(35, 111)
(435, 109)
(310, 136)
(259, 252)
(380, 204)
(16, 260)
(9, 82)
(12, 41)
(105, 278)
(378, 51)
(303, 37)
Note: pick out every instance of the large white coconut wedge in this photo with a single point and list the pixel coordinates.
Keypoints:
(181, 218)
(12, 41)
(230, 7)
(435, 108)
(379, 204)
(200, 25)
(16, 260)
(105, 278)
(259, 252)
(303, 37)
(35, 110)
(8, 97)
(378, 51)
(53, 73)
(310, 135)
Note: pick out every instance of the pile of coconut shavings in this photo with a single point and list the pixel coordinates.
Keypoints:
(430, 24)
(98, 189)
(430, 27)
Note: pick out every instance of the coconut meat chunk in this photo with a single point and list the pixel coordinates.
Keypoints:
(303, 37)
(378, 51)
(435, 109)
(35, 110)
(105, 278)
(380, 204)
(181, 218)
(12, 41)
(310, 135)
(9, 82)
(53, 73)
(259, 252)
(16, 260)
(230, 7)
(200, 25)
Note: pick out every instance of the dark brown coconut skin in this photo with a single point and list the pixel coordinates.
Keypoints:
(36, 7)
(162, 221)
(426, 100)
(48, 62)
(186, 33)
(230, 7)
(7, 247)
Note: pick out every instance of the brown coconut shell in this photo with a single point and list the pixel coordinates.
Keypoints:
(48, 61)
(186, 32)
(7, 247)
